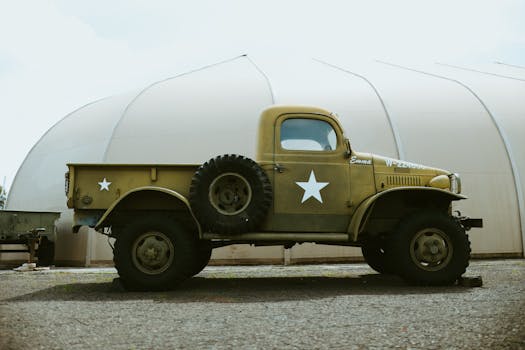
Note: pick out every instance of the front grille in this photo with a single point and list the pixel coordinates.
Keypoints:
(396, 180)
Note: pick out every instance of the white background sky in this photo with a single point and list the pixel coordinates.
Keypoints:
(56, 56)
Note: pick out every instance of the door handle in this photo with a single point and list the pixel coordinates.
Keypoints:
(279, 168)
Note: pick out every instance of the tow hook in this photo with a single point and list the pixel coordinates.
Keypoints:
(467, 222)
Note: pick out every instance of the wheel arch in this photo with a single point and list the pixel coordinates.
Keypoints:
(147, 199)
(404, 200)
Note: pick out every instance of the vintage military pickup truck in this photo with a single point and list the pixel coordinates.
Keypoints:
(307, 184)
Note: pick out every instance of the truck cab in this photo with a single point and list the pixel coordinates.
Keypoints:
(308, 159)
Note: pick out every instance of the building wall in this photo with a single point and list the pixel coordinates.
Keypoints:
(460, 120)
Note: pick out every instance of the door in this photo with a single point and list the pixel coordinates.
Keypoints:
(311, 182)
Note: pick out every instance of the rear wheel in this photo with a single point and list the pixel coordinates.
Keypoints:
(154, 253)
(201, 258)
(431, 248)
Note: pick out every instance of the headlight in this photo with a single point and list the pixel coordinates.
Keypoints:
(440, 181)
(455, 183)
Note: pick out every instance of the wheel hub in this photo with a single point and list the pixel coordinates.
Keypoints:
(227, 197)
(230, 193)
(431, 249)
(152, 253)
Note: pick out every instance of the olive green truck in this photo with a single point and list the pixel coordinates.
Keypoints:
(307, 184)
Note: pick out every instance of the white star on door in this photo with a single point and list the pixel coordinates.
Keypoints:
(312, 188)
(104, 185)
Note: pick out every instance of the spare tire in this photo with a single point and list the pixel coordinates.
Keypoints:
(230, 194)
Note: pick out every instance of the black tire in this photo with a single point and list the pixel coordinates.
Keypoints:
(201, 258)
(430, 248)
(154, 253)
(230, 194)
(375, 253)
(45, 252)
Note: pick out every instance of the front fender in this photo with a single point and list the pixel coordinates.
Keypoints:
(115, 205)
(366, 207)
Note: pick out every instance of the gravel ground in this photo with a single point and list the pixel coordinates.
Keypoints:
(264, 307)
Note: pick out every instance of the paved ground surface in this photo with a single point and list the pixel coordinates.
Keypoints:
(264, 307)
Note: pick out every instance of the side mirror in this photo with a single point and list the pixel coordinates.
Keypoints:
(348, 151)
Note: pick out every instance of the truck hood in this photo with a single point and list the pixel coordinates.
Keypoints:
(390, 173)
(401, 166)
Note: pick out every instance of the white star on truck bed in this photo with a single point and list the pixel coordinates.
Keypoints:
(312, 188)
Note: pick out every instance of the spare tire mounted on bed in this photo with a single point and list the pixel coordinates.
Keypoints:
(230, 194)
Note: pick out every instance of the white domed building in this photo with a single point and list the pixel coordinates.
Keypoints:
(467, 120)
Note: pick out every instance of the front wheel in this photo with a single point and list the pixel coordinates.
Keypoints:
(430, 248)
(375, 253)
(154, 253)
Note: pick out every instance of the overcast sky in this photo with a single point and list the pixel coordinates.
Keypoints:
(56, 56)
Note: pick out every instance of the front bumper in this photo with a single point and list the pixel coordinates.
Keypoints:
(469, 223)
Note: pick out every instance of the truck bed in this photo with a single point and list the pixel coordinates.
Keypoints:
(97, 186)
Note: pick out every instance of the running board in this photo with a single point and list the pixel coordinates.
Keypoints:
(280, 236)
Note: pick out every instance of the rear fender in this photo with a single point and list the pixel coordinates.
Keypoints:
(106, 218)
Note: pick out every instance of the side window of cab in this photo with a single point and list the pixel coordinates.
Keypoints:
(301, 134)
